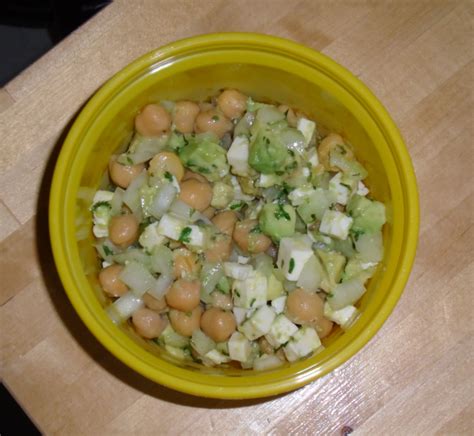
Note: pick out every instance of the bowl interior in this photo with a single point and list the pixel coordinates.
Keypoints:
(310, 82)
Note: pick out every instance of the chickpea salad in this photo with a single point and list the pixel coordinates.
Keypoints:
(234, 232)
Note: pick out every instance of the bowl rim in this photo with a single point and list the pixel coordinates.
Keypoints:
(300, 53)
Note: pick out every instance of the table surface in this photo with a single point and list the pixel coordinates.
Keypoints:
(414, 377)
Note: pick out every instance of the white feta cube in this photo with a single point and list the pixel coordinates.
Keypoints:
(278, 304)
(362, 189)
(238, 155)
(340, 192)
(259, 323)
(292, 256)
(197, 236)
(298, 196)
(304, 342)
(237, 271)
(281, 331)
(335, 223)
(344, 317)
(217, 357)
(267, 180)
(171, 226)
(150, 237)
(307, 128)
(239, 347)
(250, 292)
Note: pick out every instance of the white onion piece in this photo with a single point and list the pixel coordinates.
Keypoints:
(346, 293)
(131, 197)
(311, 275)
(370, 246)
(116, 202)
(123, 308)
(160, 286)
(162, 260)
(266, 361)
(132, 254)
(137, 278)
(183, 211)
(201, 342)
(211, 273)
(293, 140)
(163, 199)
(142, 149)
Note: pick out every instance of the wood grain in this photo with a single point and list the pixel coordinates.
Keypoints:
(415, 376)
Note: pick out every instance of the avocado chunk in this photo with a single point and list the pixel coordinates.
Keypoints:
(333, 263)
(277, 220)
(368, 215)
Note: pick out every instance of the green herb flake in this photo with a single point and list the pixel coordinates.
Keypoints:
(252, 301)
(107, 250)
(256, 229)
(347, 186)
(236, 206)
(185, 235)
(215, 118)
(291, 266)
(168, 176)
(282, 213)
(237, 293)
(191, 212)
(356, 234)
(95, 206)
(330, 295)
(129, 160)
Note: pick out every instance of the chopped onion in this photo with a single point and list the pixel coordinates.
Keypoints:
(263, 263)
(267, 361)
(162, 200)
(123, 308)
(137, 278)
(201, 342)
(346, 293)
(143, 149)
(132, 254)
(311, 275)
(116, 202)
(160, 286)
(162, 260)
(183, 211)
(131, 197)
(293, 140)
(211, 273)
(370, 246)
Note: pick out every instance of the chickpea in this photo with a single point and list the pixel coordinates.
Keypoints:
(326, 145)
(218, 324)
(185, 113)
(148, 323)
(185, 322)
(184, 295)
(153, 120)
(302, 307)
(196, 194)
(323, 327)
(248, 241)
(209, 212)
(167, 161)
(123, 230)
(186, 264)
(225, 221)
(110, 281)
(232, 103)
(281, 354)
(222, 301)
(290, 114)
(213, 121)
(265, 346)
(158, 305)
(122, 175)
(188, 175)
(220, 249)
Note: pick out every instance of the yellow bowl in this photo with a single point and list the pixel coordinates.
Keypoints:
(264, 67)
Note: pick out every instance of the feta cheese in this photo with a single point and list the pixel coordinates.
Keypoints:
(240, 314)
(344, 317)
(267, 180)
(243, 260)
(259, 323)
(238, 155)
(150, 237)
(280, 331)
(335, 223)
(239, 347)
(266, 361)
(278, 304)
(197, 236)
(217, 357)
(292, 256)
(362, 189)
(304, 342)
(237, 271)
(250, 292)
(298, 196)
(339, 190)
(307, 128)
(171, 227)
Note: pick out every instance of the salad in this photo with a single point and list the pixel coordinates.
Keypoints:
(235, 232)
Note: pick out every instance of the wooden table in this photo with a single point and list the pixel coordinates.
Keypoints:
(415, 376)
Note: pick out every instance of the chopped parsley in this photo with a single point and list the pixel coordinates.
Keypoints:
(347, 186)
(252, 301)
(291, 266)
(185, 235)
(96, 206)
(215, 118)
(256, 229)
(356, 234)
(129, 160)
(107, 250)
(168, 176)
(237, 293)
(236, 205)
(191, 212)
(282, 213)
